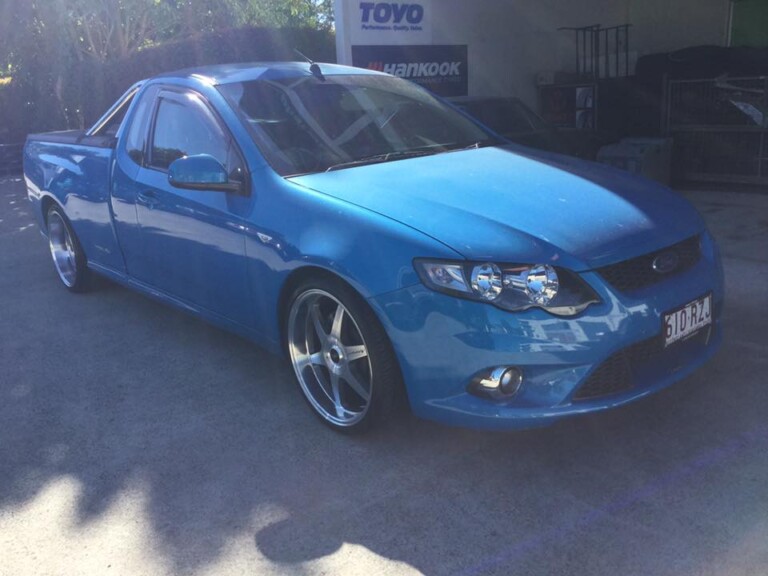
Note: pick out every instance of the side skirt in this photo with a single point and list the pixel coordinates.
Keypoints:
(198, 312)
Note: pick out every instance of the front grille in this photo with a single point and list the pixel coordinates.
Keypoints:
(619, 373)
(639, 272)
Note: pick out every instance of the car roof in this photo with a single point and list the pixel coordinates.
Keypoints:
(243, 72)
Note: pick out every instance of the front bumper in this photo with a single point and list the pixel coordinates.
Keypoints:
(442, 342)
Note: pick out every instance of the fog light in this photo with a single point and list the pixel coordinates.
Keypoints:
(510, 380)
(502, 382)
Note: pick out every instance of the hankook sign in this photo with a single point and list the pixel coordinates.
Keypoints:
(441, 69)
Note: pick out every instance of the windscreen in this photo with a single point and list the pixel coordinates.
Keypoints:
(309, 124)
(505, 115)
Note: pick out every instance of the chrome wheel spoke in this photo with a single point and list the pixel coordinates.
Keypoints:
(305, 360)
(338, 317)
(316, 321)
(325, 386)
(353, 353)
(355, 384)
(340, 411)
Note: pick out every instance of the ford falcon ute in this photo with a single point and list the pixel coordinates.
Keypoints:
(388, 245)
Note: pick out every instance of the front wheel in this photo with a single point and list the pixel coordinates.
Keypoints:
(341, 356)
(66, 252)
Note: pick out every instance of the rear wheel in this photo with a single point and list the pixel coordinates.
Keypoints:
(341, 356)
(66, 252)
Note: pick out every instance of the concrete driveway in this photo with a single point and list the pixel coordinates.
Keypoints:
(136, 440)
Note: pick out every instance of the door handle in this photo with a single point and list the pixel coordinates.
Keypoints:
(147, 198)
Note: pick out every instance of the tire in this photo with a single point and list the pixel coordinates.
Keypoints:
(66, 252)
(341, 356)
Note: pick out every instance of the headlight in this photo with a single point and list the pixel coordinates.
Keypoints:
(511, 287)
(540, 282)
(487, 281)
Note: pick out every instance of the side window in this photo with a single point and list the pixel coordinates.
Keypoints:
(135, 140)
(185, 128)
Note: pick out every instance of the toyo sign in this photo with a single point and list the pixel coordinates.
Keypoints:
(391, 13)
(362, 23)
(365, 22)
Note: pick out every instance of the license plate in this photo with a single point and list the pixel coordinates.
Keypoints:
(685, 321)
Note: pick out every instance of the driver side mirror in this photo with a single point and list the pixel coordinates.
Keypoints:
(201, 172)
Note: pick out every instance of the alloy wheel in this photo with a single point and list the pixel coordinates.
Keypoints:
(62, 249)
(330, 357)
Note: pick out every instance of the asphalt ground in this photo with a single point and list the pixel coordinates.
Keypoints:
(135, 440)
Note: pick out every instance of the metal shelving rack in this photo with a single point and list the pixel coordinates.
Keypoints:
(720, 129)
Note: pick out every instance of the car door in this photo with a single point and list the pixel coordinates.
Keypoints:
(192, 243)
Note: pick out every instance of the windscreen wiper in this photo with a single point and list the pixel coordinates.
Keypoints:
(379, 158)
(400, 155)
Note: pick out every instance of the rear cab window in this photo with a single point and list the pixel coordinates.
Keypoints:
(109, 124)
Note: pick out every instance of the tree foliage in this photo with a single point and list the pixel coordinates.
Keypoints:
(114, 29)
(53, 49)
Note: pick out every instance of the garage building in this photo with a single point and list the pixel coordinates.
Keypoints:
(693, 71)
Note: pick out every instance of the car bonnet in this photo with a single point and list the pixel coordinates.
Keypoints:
(511, 204)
